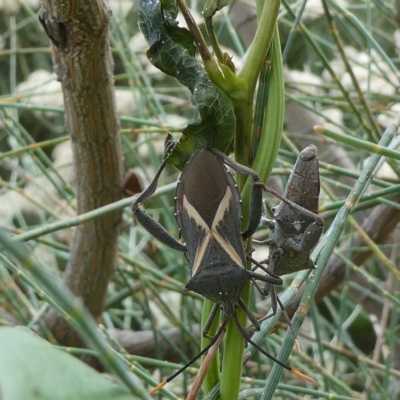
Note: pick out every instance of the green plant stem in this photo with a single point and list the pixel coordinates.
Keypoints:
(34, 146)
(80, 219)
(250, 73)
(213, 39)
(233, 354)
(358, 143)
(195, 31)
(260, 45)
(212, 376)
(221, 75)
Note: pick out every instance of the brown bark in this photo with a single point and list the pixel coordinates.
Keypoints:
(79, 31)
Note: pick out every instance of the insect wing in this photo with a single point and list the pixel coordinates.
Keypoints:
(208, 212)
(294, 234)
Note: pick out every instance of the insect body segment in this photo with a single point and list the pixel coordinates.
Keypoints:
(208, 212)
(152, 226)
(294, 234)
(303, 189)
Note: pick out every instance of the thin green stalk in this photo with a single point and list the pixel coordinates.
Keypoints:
(238, 45)
(12, 296)
(212, 376)
(293, 31)
(80, 219)
(274, 114)
(377, 194)
(260, 103)
(316, 394)
(13, 57)
(34, 146)
(358, 143)
(250, 73)
(392, 338)
(213, 39)
(318, 341)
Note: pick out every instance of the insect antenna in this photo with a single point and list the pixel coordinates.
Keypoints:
(221, 329)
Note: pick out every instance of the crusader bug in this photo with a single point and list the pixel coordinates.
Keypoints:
(208, 213)
(294, 234)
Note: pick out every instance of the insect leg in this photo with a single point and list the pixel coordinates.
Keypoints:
(309, 238)
(209, 321)
(152, 226)
(268, 279)
(291, 204)
(249, 314)
(268, 289)
(259, 265)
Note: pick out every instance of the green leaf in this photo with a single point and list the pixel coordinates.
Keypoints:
(172, 51)
(33, 369)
